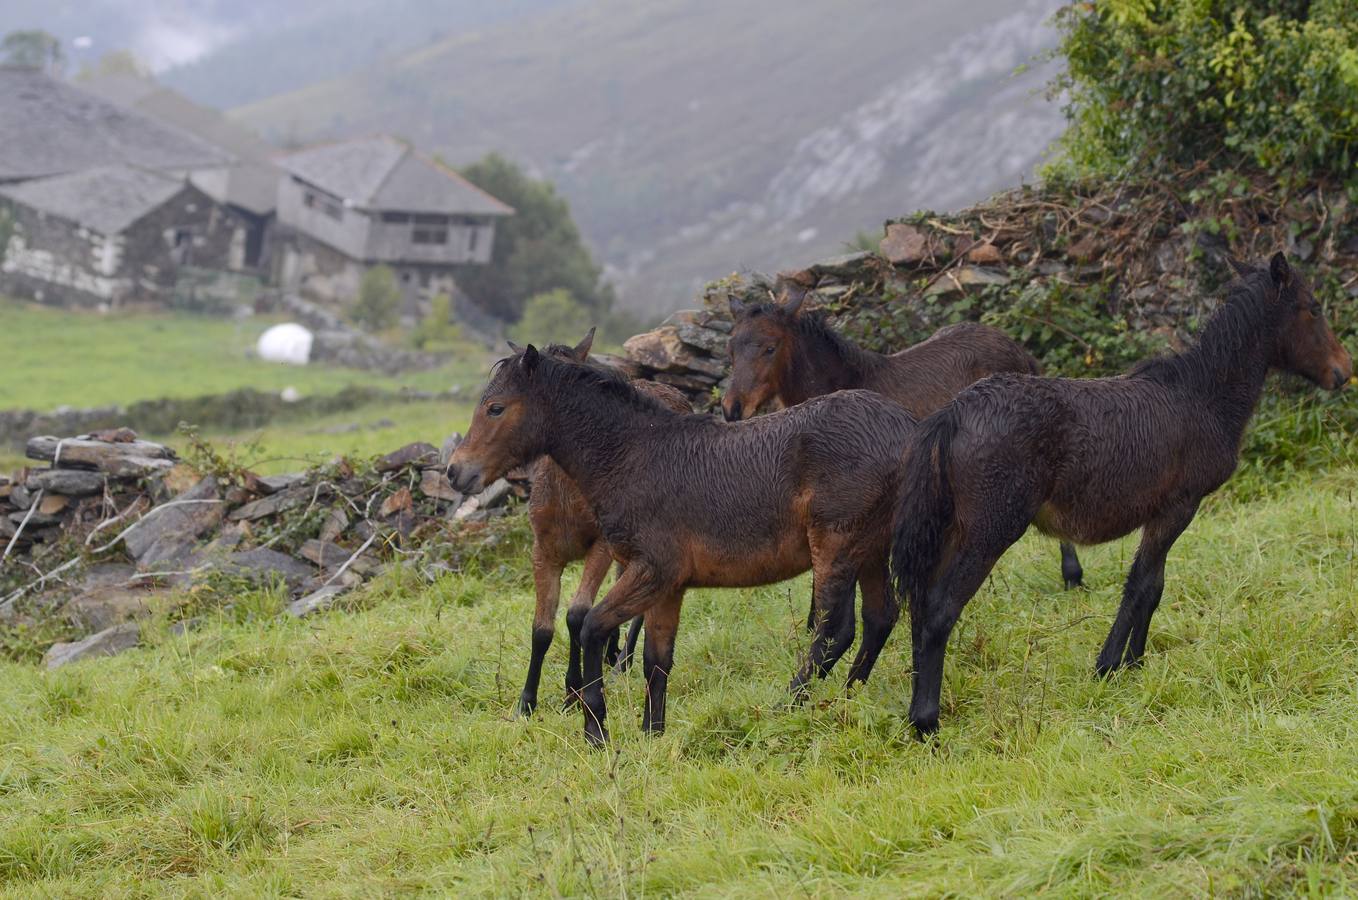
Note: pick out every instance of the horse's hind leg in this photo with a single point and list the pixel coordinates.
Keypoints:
(1126, 643)
(880, 612)
(932, 624)
(1071, 571)
(630, 646)
(591, 577)
(662, 624)
(547, 586)
(833, 606)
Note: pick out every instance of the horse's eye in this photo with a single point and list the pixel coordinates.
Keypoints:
(768, 351)
(1316, 310)
(495, 409)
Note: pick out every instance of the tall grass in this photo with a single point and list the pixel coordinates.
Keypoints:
(374, 752)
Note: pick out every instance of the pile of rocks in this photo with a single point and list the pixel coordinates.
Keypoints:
(86, 477)
(128, 528)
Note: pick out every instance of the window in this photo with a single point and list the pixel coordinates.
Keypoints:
(472, 233)
(328, 204)
(396, 218)
(430, 230)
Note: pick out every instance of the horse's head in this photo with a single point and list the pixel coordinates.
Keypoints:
(1305, 344)
(761, 347)
(504, 433)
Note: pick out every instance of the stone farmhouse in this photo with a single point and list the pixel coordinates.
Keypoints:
(96, 203)
(121, 191)
(349, 205)
(247, 185)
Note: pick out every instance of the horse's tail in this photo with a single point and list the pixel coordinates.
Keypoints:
(924, 508)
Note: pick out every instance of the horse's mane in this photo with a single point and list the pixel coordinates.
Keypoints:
(1238, 321)
(558, 368)
(813, 326)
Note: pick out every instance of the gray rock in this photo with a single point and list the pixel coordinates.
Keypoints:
(102, 608)
(272, 504)
(496, 494)
(275, 483)
(416, 454)
(316, 601)
(91, 454)
(169, 532)
(20, 497)
(67, 482)
(261, 564)
(713, 342)
(325, 554)
(435, 484)
(109, 642)
(334, 524)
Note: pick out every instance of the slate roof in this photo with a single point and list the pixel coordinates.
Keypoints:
(251, 183)
(105, 199)
(381, 173)
(50, 127)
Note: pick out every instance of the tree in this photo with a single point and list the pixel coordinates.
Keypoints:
(1272, 84)
(34, 48)
(379, 299)
(553, 317)
(537, 250)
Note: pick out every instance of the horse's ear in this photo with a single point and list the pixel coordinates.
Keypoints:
(581, 351)
(796, 296)
(737, 307)
(1240, 268)
(1281, 271)
(530, 358)
(515, 347)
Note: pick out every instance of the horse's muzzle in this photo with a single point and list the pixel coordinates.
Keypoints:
(466, 479)
(732, 411)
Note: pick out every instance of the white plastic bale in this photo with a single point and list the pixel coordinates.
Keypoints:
(287, 343)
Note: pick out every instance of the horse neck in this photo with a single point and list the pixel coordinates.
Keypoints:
(591, 433)
(822, 366)
(1225, 372)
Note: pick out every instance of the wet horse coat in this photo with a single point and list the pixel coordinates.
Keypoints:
(687, 501)
(1091, 460)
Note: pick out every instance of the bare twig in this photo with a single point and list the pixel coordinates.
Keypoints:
(122, 534)
(350, 561)
(32, 509)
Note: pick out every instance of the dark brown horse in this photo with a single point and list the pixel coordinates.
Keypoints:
(1092, 460)
(687, 501)
(779, 350)
(564, 530)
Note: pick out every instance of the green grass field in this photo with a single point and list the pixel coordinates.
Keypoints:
(373, 752)
(70, 359)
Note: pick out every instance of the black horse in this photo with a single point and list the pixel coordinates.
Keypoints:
(1090, 460)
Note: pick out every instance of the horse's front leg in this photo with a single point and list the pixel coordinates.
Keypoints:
(1126, 643)
(547, 586)
(633, 593)
(592, 577)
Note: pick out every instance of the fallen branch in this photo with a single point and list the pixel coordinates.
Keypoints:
(37, 498)
(350, 561)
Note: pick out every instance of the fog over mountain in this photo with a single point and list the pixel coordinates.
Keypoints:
(692, 137)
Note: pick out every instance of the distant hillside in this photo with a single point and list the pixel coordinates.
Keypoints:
(694, 137)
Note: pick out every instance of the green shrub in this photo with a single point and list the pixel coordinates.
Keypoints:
(1268, 83)
(438, 327)
(552, 317)
(379, 299)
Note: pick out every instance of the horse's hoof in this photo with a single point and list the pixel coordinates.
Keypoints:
(1077, 582)
(596, 735)
(1106, 669)
(526, 706)
(925, 726)
(623, 664)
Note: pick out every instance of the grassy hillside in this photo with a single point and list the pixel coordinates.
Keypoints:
(373, 752)
(694, 137)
